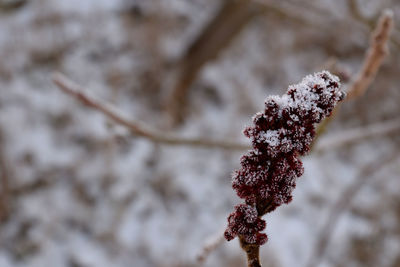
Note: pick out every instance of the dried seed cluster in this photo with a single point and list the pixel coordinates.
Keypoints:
(280, 134)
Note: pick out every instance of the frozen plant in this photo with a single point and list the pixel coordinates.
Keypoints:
(280, 134)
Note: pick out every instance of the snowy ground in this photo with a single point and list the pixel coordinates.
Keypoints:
(81, 196)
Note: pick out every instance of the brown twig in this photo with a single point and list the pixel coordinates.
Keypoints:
(374, 57)
(343, 202)
(210, 245)
(135, 127)
(253, 253)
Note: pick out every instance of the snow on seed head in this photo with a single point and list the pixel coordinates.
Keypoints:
(279, 135)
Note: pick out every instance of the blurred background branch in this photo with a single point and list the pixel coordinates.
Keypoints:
(377, 51)
(374, 57)
(137, 128)
(345, 200)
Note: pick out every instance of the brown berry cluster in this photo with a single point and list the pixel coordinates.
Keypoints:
(280, 134)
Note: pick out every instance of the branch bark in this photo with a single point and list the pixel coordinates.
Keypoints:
(137, 128)
(253, 253)
(374, 57)
(209, 246)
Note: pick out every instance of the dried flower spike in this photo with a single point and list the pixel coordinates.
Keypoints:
(280, 134)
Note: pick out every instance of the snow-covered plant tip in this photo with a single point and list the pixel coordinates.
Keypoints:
(280, 134)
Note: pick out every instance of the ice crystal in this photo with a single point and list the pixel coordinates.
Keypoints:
(280, 134)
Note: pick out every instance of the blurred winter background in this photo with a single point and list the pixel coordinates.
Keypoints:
(77, 191)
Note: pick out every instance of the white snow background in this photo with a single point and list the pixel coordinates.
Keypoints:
(103, 200)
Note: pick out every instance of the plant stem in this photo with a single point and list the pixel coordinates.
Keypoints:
(253, 253)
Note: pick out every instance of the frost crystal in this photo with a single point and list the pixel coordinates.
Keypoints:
(280, 134)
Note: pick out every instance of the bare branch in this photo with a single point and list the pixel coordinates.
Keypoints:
(351, 136)
(137, 128)
(372, 62)
(374, 57)
(210, 245)
(344, 201)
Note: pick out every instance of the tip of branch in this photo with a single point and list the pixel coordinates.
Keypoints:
(383, 29)
(388, 14)
(385, 23)
(64, 83)
(56, 77)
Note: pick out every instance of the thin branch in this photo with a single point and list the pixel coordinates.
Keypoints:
(135, 127)
(344, 201)
(351, 136)
(374, 57)
(210, 245)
